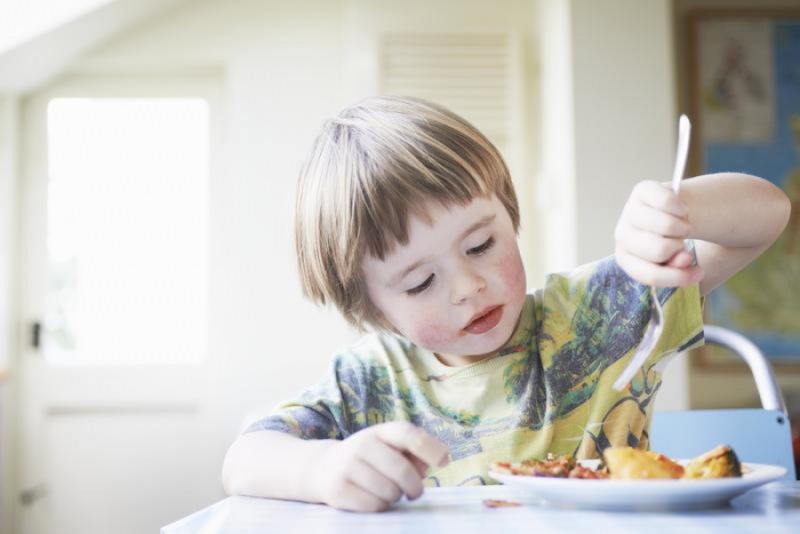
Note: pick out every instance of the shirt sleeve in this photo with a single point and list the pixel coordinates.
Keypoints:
(683, 321)
(319, 412)
(597, 315)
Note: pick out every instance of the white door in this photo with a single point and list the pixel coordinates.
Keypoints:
(115, 377)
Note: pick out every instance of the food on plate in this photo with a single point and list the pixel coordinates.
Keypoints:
(580, 471)
(552, 466)
(626, 463)
(719, 462)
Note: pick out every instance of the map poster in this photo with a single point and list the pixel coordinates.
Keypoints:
(745, 106)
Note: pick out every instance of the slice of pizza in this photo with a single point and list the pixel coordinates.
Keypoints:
(553, 466)
(626, 463)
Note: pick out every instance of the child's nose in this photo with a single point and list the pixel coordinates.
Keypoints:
(466, 285)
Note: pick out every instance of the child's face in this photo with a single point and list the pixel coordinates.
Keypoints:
(457, 288)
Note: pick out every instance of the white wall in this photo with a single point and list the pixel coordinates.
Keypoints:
(8, 159)
(557, 180)
(609, 115)
(625, 110)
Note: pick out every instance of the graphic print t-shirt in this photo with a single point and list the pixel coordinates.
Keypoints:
(549, 389)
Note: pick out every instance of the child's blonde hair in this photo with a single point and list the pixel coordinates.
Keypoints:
(370, 167)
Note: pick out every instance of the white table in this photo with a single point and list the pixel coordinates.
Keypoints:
(771, 508)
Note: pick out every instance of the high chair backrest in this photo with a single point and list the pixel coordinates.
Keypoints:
(761, 436)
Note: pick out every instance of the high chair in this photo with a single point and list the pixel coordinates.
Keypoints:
(759, 436)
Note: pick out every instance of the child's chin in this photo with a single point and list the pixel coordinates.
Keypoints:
(491, 341)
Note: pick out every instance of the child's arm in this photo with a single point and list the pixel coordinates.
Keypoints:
(733, 218)
(366, 472)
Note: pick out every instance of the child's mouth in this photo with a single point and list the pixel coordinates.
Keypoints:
(485, 322)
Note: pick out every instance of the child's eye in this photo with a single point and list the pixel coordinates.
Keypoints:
(422, 287)
(480, 249)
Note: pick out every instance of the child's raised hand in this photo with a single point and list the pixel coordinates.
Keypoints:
(376, 466)
(649, 238)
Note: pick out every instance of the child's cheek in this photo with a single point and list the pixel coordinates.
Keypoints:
(432, 335)
(511, 271)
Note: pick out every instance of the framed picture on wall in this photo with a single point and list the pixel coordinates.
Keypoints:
(745, 107)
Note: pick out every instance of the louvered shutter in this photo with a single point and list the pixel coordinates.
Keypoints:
(468, 73)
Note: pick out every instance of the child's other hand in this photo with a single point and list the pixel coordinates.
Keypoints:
(375, 467)
(649, 238)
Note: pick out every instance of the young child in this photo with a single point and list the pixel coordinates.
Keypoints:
(406, 220)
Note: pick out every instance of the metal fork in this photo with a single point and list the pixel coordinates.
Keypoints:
(656, 323)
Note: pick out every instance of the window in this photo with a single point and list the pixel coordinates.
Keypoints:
(127, 231)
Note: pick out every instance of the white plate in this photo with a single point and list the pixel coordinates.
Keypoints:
(610, 494)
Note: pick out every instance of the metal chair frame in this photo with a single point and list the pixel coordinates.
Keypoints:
(757, 435)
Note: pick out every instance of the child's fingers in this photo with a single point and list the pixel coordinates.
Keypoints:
(421, 467)
(661, 197)
(651, 219)
(650, 247)
(653, 274)
(409, 438)
(681, 259)
(373, 481)
(356, 499)
(391, 463)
